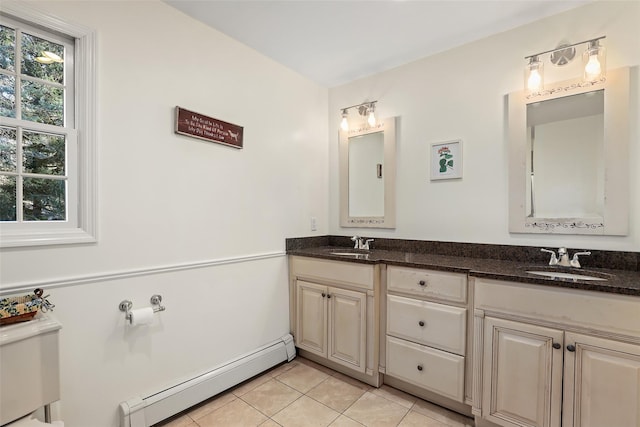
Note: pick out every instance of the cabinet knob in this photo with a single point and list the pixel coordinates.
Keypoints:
(328, 295)
(571, 347)
(421, 323)
(556, 345)
(419, 367)
(324, 295)
(422, 283)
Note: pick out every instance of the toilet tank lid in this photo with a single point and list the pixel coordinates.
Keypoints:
(42, 323)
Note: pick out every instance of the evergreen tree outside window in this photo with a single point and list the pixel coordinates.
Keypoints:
(47, 173)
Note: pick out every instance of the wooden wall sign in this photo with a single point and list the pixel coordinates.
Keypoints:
(199, 126)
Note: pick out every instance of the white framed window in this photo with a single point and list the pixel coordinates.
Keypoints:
(47, 130)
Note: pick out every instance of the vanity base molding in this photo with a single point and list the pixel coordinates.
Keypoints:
(484, 423)
(420, 392)
(374, 380)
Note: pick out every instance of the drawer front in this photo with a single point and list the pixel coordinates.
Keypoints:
(434, 370)
(429, 323)
(428, 283)
(617, 314)
(333, 272)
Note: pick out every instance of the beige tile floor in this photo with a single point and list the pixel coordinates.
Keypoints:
(302, 393)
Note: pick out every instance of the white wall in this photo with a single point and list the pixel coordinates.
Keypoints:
(460, 93)
(173, 201)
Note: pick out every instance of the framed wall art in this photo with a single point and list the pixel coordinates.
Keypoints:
(446, 160)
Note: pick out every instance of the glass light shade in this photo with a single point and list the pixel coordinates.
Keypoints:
(344, 124)
(372, 118)
(594, 60)
(534, 75)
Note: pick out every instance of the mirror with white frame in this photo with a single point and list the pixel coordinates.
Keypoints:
(367, 175)
(568, 158)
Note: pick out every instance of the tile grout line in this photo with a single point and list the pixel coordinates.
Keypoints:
(329, 375)
(275, 378)
(333, 374)
(282, 409)
(317, 401)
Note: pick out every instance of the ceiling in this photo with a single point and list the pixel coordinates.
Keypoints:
(335, 42)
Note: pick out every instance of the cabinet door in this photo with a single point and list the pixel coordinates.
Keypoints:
(311, 317)
(522, 375)
(602, 383)
(347, 328)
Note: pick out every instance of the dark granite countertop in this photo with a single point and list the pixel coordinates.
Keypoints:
(625, 282)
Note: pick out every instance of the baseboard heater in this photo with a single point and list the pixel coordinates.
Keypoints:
(147, 411)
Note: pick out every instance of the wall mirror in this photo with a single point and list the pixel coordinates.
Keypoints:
(568, 158)
(367, 175)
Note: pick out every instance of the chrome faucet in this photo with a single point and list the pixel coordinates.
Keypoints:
(563, 257)
(574, 261)
(361, 243)
(553, 260)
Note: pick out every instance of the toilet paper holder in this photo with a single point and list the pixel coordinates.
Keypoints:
(126, 306)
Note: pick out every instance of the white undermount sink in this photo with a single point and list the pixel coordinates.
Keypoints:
(562, 275)
(353, 254)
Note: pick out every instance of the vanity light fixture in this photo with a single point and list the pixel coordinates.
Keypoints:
(594, 62)
(366, 109)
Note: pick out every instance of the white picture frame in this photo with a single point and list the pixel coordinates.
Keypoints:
(446, 160)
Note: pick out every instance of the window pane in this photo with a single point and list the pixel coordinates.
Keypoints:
(44, 199)
(42, 103)
(42, 58)
(7, 198)
(7, 48)
(8, 149)
(7, 96)
(43, 153)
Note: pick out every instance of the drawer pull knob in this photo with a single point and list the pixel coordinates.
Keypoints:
(421, 323)
(422, 283)
(419, 367)
(556, 345)
(571, 347)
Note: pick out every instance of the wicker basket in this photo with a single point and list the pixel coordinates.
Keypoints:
(20, 309)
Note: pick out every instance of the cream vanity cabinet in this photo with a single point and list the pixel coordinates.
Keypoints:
(334, 314)
(547, 356)
(426, 333)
